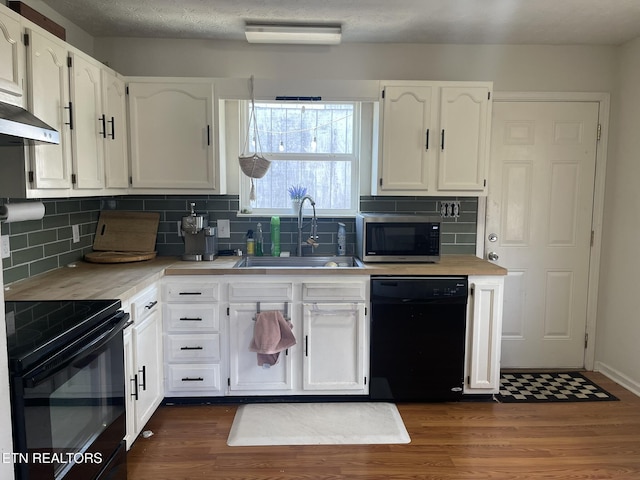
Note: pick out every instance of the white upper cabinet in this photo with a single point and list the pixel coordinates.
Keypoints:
(48, 87)
(434, 138)
(114, 118)
(11, 60)
(89, 126)
(172, 135)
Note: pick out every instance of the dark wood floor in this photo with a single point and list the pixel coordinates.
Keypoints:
(467, 440)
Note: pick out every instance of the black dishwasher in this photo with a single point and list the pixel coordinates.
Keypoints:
(417, 338)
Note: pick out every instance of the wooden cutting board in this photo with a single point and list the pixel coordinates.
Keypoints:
(124, 237)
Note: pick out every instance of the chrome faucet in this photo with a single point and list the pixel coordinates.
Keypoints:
(314, 225)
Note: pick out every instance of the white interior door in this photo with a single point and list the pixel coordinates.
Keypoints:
(538, 223)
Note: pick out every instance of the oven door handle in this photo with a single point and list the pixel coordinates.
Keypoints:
(81, 352)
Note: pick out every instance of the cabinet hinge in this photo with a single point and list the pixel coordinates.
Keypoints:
(69, 62)
(599, 134)
(31, 176)
(586, 340)
(25, 39)
(73, 178)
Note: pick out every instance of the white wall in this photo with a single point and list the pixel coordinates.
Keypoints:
(618, 334)
(524, 68)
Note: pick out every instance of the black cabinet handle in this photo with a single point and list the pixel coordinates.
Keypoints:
(426, 146)
(208, 134)
(103, 120)
(144, 377)
(113, 128)
(306, 345)
(442, 140)
(135, 386)
(70, 122)
(187, 319)
(191, 348)
(150, 305)
(189, 379)
(190, 293)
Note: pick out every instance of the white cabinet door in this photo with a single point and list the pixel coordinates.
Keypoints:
(407, 138)
(484, 334)
(131, 380)
(435, 138)
(172, 137)
(334, 346)
(48, 78)
(245, 373)
(465, 115)
(11, 60)
(88, 126)
(116, 145)
(148, 355)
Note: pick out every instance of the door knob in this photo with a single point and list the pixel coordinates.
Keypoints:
(492, 256)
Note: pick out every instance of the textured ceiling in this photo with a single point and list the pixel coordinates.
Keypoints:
(593, 22)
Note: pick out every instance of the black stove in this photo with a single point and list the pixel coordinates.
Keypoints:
(36, 329)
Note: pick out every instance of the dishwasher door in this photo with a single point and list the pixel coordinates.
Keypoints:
(417, 338)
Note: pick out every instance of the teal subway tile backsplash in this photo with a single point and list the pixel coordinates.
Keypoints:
(39, 246)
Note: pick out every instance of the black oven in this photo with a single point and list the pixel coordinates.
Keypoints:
(67, 377)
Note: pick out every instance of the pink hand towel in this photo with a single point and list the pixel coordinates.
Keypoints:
(271, 335)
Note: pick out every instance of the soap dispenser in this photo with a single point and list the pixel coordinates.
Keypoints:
(259, 241)
(250, 243)
(342, 239)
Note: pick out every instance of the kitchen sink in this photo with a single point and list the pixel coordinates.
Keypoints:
(300, 262)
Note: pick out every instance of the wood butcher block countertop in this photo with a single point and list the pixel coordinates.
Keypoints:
(105, 281)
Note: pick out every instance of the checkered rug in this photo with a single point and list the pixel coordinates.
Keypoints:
(549, 387)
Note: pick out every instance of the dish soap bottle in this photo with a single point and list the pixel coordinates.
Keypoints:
(251, 244)
(342, 239)
(259, 240)
(275, 236)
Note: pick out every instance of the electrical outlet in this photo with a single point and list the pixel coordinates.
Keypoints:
(75, 229)
(224, 228)
(6, 248)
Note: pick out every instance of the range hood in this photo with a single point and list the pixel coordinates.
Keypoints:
(17, 124)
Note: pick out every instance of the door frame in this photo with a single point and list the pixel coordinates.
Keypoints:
(603, 99)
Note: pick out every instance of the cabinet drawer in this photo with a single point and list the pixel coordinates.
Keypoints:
(193, 378)
(193, 318)
(193, 348)
(334, 292)
(264, 291)
(191, 291)
(145, 303)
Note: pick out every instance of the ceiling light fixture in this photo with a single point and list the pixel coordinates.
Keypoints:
(294, 34)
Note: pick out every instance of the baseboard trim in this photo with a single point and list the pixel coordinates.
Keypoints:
(618, 377)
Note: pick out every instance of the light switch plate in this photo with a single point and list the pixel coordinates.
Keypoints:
(224, 228)
(6, 248)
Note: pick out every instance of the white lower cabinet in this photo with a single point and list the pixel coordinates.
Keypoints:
(143, 360)
(193, 337)
(334, 347)
(328, 320)
(484, 335)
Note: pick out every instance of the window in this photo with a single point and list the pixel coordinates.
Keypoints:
(313, 145)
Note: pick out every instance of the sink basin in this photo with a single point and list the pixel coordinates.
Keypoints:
(299, 262)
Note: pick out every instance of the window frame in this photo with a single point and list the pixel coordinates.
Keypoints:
(354, 159)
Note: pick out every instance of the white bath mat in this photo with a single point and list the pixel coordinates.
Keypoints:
(317, 424)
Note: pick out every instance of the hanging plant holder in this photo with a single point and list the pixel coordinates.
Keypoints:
(254, 165)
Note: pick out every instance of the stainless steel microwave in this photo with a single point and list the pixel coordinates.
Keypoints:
(398, 238)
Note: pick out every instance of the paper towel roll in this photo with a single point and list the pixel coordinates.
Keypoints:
(20, 212)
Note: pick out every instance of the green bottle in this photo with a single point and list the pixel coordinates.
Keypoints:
(275, 236)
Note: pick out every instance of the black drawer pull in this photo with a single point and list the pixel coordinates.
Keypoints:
(190, 319)
(150, 305)
(191, 348)
(189, 379)
(190, 293)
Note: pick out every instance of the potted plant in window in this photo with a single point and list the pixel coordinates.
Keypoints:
(296, 192)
